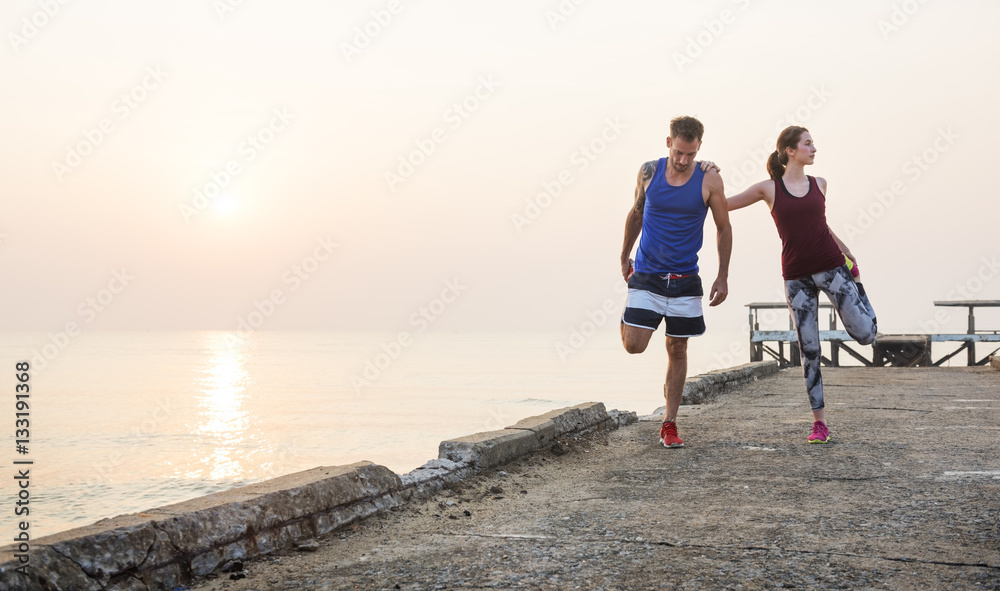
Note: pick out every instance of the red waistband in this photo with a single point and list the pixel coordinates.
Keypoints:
(676, 276)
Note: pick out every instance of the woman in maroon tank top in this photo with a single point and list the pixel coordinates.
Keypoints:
(812, 259)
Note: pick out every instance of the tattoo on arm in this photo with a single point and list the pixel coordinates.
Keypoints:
(640, 189)
(647, 171)
(640, 200)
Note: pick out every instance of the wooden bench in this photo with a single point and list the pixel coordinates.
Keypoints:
(758, 338)
(902, 350)
(899, 350)
(973, 336)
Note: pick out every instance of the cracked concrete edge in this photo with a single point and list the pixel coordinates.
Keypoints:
(621, 418)
(465, 456)
(170, 546)
(63, 573)
(708, 386)
(174, 545)
(492, 448)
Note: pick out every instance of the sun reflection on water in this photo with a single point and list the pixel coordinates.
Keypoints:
(223, 419)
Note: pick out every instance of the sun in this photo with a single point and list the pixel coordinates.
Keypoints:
(225, 203)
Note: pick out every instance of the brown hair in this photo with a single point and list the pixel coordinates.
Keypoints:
(688, 129)
(789, 138)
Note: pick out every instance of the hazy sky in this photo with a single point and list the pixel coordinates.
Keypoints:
(342, 165)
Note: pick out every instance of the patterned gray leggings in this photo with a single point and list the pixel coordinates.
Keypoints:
(852, 304)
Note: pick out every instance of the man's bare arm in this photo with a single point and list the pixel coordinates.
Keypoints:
(633, 223)
(724, 236)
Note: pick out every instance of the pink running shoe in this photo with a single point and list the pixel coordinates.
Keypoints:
(668, 435)
(820, 433)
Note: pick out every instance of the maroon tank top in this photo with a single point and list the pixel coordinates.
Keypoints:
(806, 244)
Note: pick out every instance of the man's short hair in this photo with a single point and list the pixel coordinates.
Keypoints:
(688, 129)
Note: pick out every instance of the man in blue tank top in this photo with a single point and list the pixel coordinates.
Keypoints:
(672, 198)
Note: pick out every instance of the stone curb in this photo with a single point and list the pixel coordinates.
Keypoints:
(171, 546)
(464, 456)
(492, 448)
(707, 386)
(168, 546)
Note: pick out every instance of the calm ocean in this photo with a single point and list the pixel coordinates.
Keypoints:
(124, 422)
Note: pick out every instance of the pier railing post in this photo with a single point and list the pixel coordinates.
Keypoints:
(756, 349)
(834, 343)
(972, 330)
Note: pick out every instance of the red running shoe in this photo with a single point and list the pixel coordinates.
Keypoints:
(668, 435)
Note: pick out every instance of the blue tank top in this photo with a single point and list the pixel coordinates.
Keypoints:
(673, 224)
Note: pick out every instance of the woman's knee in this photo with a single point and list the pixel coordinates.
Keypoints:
(866, 339)
(865, 333)
(811, 350)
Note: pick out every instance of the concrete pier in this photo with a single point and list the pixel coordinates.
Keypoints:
(906, 495)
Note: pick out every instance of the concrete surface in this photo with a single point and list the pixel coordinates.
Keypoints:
(168, 547)
(163, 547)
(906, 496)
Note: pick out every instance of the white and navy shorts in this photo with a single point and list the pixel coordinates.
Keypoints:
(652, 298)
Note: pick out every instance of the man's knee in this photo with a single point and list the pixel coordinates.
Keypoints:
(633, 347)
(634, 342)
(676, 347)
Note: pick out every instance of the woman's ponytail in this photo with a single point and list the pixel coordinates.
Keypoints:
(789, 138)
(774, 166)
